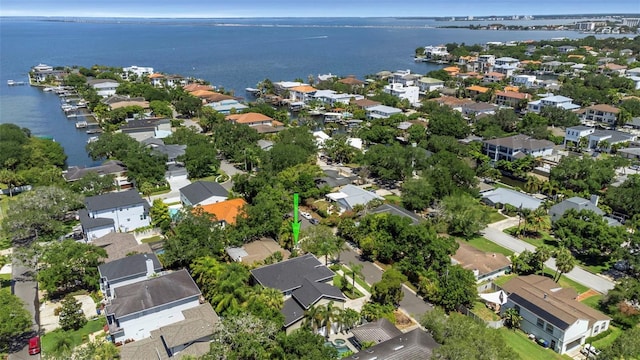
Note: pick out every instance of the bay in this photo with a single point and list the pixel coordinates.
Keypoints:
(230, 53)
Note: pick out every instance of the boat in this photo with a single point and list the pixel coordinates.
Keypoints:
(94, 131)
(92, 139)
(81, 124)
(47, 89)
(253, 91)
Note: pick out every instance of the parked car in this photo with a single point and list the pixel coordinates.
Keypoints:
(314, 221)
(590, 351)
(306, 215)
(34, 345)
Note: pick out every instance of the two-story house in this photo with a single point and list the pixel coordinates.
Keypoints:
(203, 193)
(601, 113)
(114, 168)
(573, 134)
(511, 98)
(139, 71)
(128, 270)
(260, 122)
(302, 93)
(381, 112)
(552, 314)
(333, 98)
(404, 77)
(304, 282)
(141, 129)
(524, 80)
(578, 204)
(411, 93)
(493, 77)
(516, 146)
(120, 211)
(104, 87)
(427, 84)
(558, 101)
(506, 65)
(139, 308)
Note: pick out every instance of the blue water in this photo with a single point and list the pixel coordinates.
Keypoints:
(232, 53)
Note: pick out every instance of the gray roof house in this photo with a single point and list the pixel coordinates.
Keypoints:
(396, 210)
(304, 281)
(111, 167)
(578, 203)
(377, 331)
(128, 270)
(511, 197)
(118, 211)
(351, 195)
(191, 336)
(334, 178)
(173, 151)
(414, 345)
(139, 308)
(145, 128)
(203, 193)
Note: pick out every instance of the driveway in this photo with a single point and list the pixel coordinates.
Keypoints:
(494, 233)
(230, 170)
(411, 304)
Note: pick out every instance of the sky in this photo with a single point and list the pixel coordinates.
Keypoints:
(310, 8)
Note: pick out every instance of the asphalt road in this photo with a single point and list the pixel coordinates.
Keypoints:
(27, 290)
(411, 303)
(598, 283)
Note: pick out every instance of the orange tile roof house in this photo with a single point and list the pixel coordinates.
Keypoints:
(194, 87)
(552, 314)
(477, 90)
(511, 98)
(226, 212)
(351, 81)
(261, 122)
(302, 92)
(493, 77)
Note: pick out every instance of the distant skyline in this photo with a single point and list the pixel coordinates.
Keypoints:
(303, 8)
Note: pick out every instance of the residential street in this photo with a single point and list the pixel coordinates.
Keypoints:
(26, 289)
(411, 304)
(494, 233)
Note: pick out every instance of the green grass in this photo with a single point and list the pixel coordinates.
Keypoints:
(494, 215)
(152, 239)
(543, 239)
(482, 311)
(503, 279)
(606, 341)
(5, 280)
(359, 281)
(346, 288)
(483, 244)
(393, 199)
(527, 348)
(593, 301)
(77, 337)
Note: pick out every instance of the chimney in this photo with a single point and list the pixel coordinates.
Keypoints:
(594, 199)
(150, 271)
(544, 296)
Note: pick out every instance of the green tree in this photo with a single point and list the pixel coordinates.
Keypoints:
(160, 216)
(388, 291)
(356, 272)
(512, 318)
(339, 149)
(15, 320)
(541, 255)
(565, 262)
(71, 315)
(200, 160)
(447, 122)
(93, 184)
(246, 337)
(626, 346)
(464, 214)
(161, 108)
(457, 287)
(618, 197)
(11, 179)
(417, 194)
(195, 234)
(321, 241)
(305, 345)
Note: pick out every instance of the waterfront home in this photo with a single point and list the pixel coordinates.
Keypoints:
(260, 122)
(381, 112)
(558, 101)
(128, 270)
(350, 196)
(511, 98)
(484, 265)
(601, 113)
(552, 314)
(228, 106)
(404, 77)
(332, 98)
(256, 251)
(104, 87)
(351, 81)
(281, 87)
(515, 147)
(202, 193)
(493, 77)
(139, 71)
(304, 282)
(302, 93)
(226, 212)
(208, 96)
(120, 211)
(137, 309)
(427, 84)
(436, 52)
(188, 337)
(411, 93)
(195, 87)
(142, 129)
(110, 167)
(578, 204)
(517, 199)
(43, 72)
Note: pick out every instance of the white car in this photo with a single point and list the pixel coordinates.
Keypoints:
(589, 351)
(306, 215)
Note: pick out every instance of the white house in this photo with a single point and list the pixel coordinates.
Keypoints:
(331, 97)
(555, 101)
(120, 211)
(140, 71)
(601, 113)
(575, 133)
(128, 270)
(411, 93)
(104, 87)
(427, 84)
(514, 147)
(506, 65)
(226, 106)
(381, 111)
(552, 314)
(404, 77)
(351, 195)
(602, 140)
(435, 52)
(302, 93)
(137, 309)
(203, 193)
(524, 80)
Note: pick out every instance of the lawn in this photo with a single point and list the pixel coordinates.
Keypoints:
(393, 199)
(593, 301)
(503, 279)
(359, 281)
(494, 215)
(482, 311)
(543, 239)
(152, 239)
(483, 244)
(606, 341)
(526, 348)
(5, 280)
(77, 337)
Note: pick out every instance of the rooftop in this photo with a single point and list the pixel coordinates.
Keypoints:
(290, 274)
(199, 191)
(129, 266)
(396, 210)
(257, 250)
(113, 200)
(471, 258)
(118, 245)
(226, 211)
(414, 345)
(377, 331)
(604, 108)
(512, 197)
(520, 141)
(109, 167)
(248, 118)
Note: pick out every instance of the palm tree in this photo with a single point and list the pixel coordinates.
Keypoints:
(11, 179)
(329, 314)
(539, 218)
(565, 262)
(205, 271)
(583, 143)
(349, 319)
(512, 318)
(542, 254)
(356, 271)
(313, 318)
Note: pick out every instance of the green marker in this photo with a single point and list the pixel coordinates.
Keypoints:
(296, 224)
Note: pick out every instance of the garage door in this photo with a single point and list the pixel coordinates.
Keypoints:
(573, 344)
